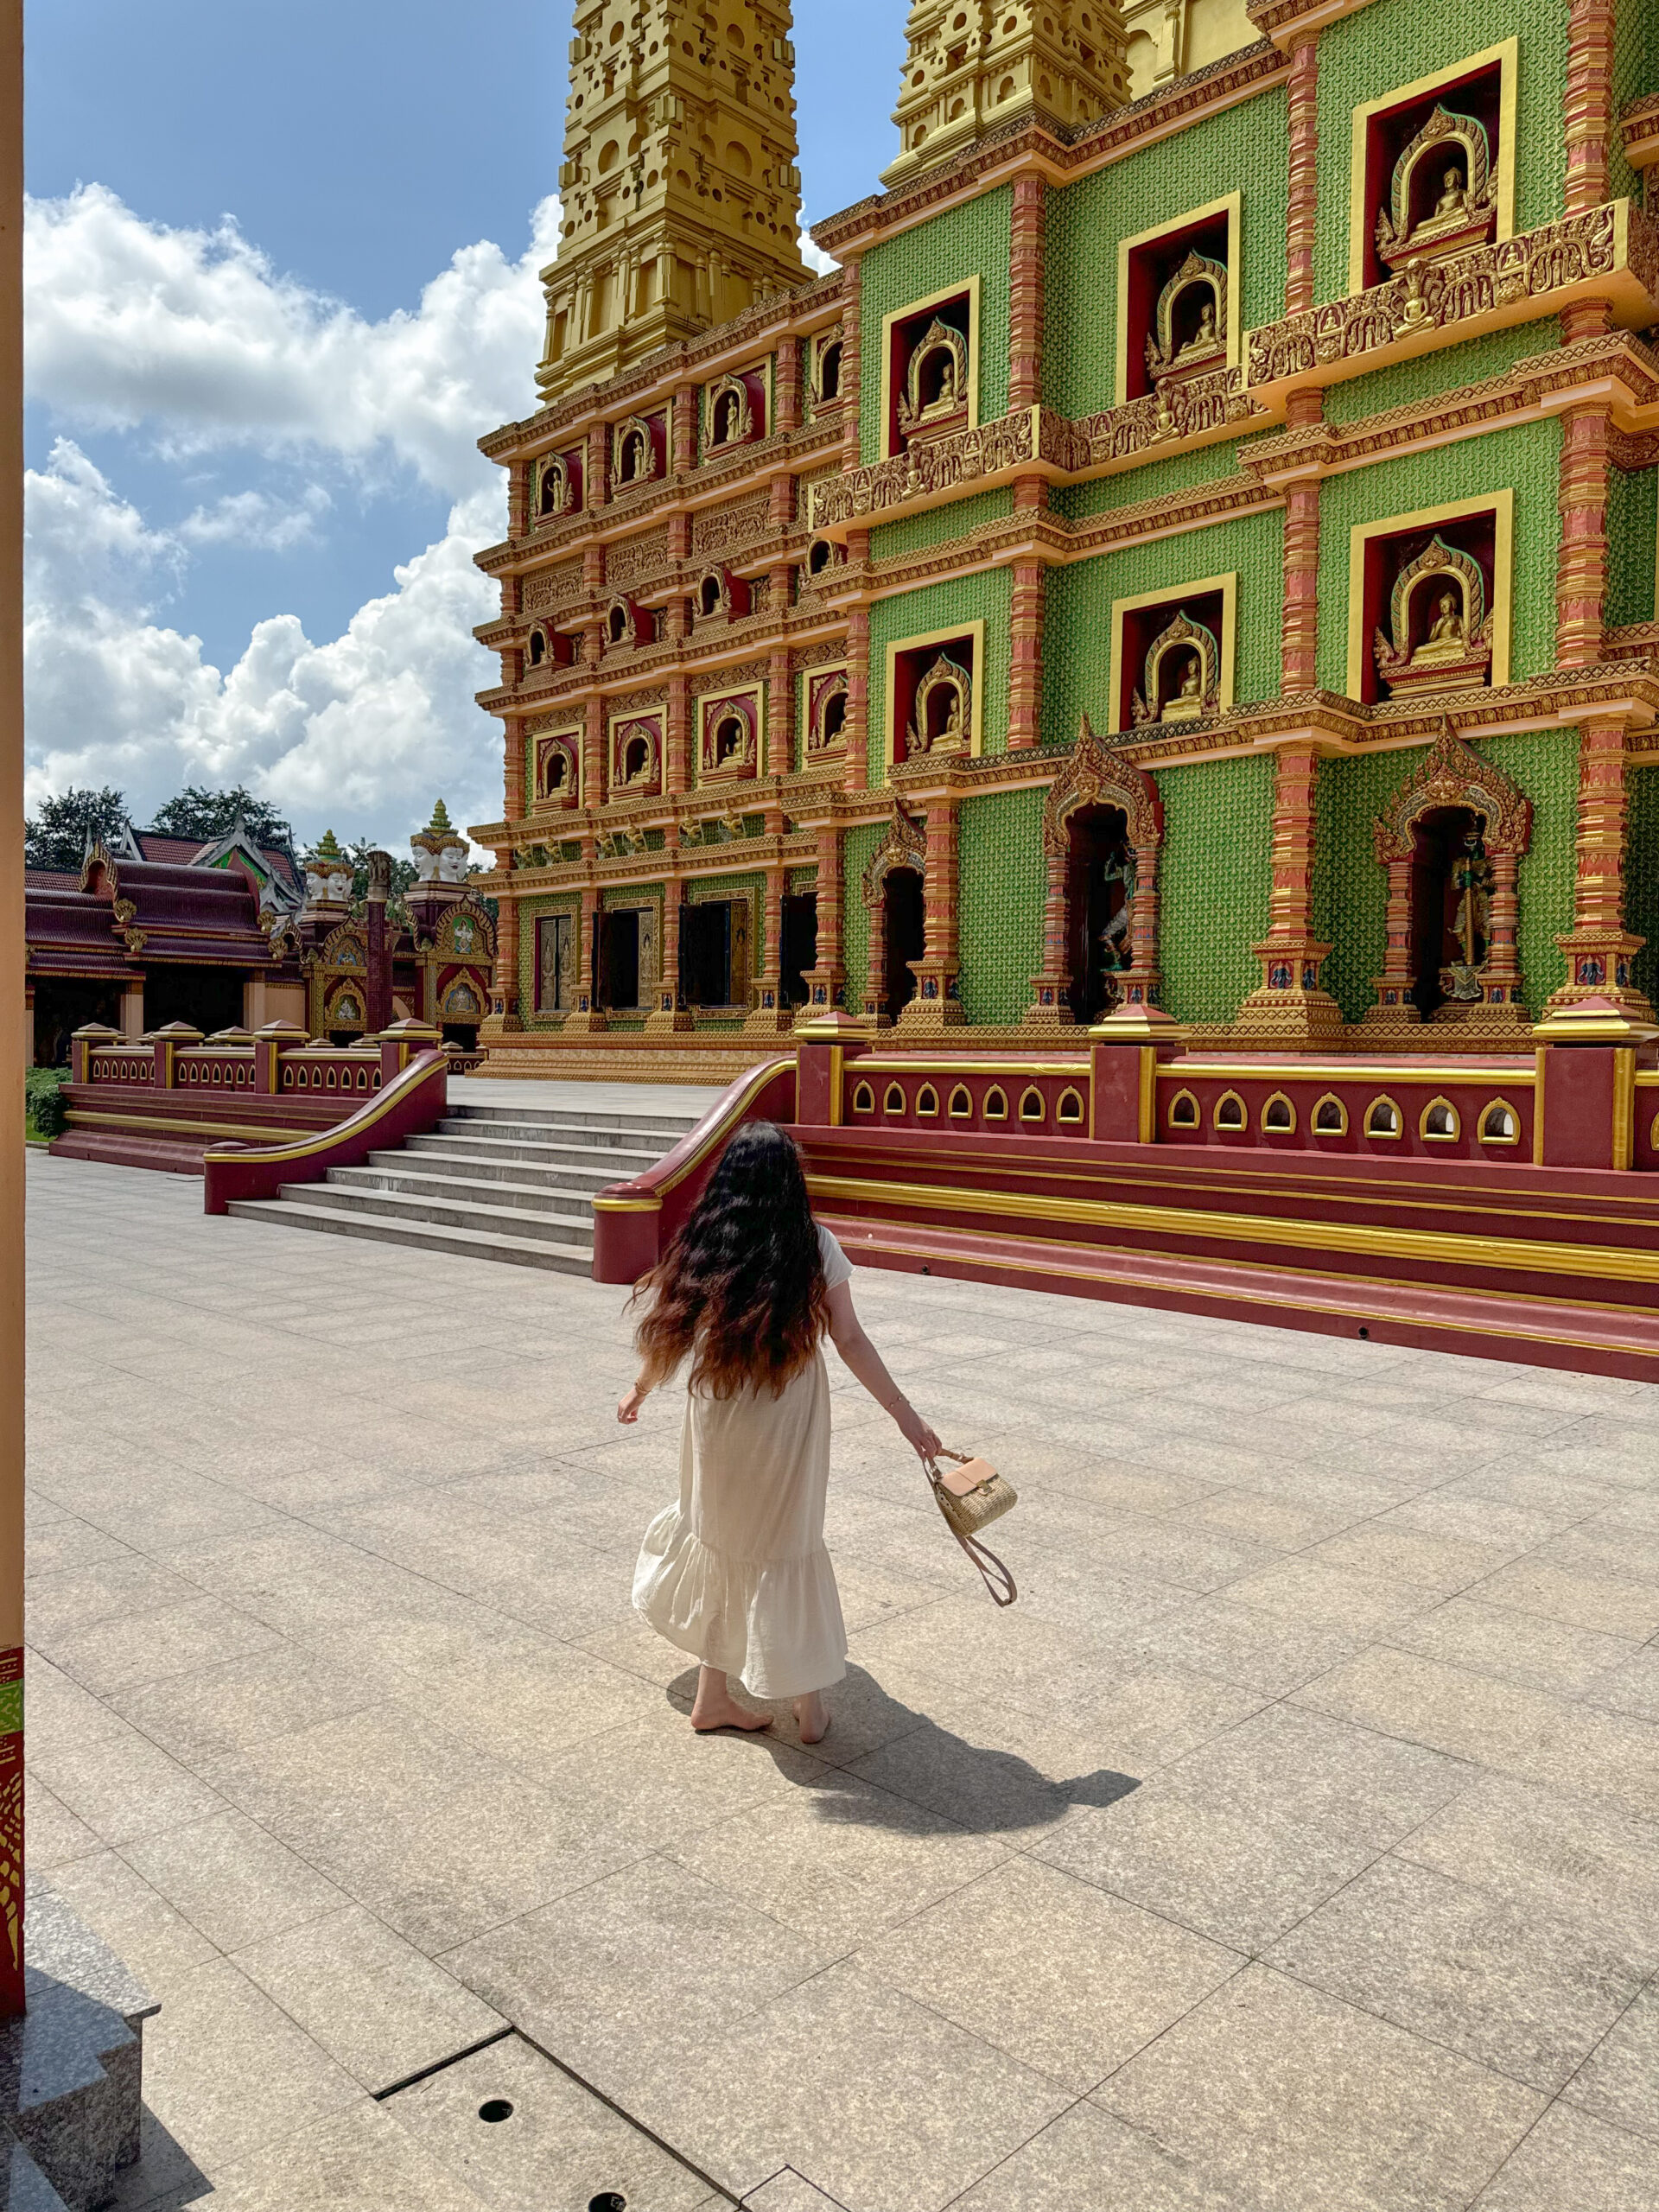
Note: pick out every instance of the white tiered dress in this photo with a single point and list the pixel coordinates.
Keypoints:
(736, 1574)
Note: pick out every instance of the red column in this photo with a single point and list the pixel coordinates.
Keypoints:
(858, 698)
(1026, 270)
(825, 976)
(679, 731)
(1581, 564)
(851, 368)
(1026, 670)
(1300, 667)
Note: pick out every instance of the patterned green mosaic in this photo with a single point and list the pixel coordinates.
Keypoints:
(1078, 655)
(1410, 382)
(1636, 72)
(1366, 54)
(802, 879)
(1351, 891)
(1181, 472)
(1214, 884)
(1243, 149)
(857, 849)
(1526, 457)
(988, 596)
(1632, 519)
(1003, 882)
(1641, 874)
(567, 902)
(970, 240)
(938, 524)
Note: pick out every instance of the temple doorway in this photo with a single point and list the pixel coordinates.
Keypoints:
(209, 999)
(1451, 906)
(906, 936)
(620, 960)
(714, 953)
(799, 947)
(66, 1003)
(1099, 901)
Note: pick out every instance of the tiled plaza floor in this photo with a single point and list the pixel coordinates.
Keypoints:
(1292, 1847)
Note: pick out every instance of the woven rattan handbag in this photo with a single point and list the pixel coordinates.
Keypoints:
(971, 1495)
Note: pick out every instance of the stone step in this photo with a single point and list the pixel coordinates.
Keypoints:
(468, 1211)
(466, 1168)
(392, 1171)
(655, 1126)
(610, 1166)
(459, 1244)
(655, 1142)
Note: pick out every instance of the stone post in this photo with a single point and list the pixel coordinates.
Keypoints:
(826, 1043)
(787, 392)
(594, 777)
(771, 1012)
(503, 1017)
(377, 984)
(937, 1002)
(780, 717)
(131, 1020)
(826, 975)
(588, 1015)
(1126, 1051)
(1304, 409)
(671, 1012)
(679, 733)
(1051, 1006)
(1584, 1113)
(852, 366)
(1600, 951)
(1589, 108)
(684, 433)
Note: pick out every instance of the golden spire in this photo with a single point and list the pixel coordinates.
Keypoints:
(680, 194)
(974, 64)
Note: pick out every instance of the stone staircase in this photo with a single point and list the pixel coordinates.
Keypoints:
(506, 1182)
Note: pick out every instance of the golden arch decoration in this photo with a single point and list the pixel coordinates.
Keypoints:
(1330, 1117)
(935, 380)
(1184, 634)
(1279, 1115)
(1454, 774)
(1207, 348)
(904, 844)
(1033, 1107)
(961, 1107)
(730, 413)
(1229, 1112)
(1069, 1107)
(1383, 1118)
(942, 711)
(635, 451)
(894, 1101)
(1461, 215)
(553, 494)
(1499, 1124)
(995, 1107)
(1439, 1123)
(927, 1100)
(1184, 1111)
(863, 1099)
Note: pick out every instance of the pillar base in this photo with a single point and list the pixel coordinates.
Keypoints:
(667, 1019)
(1598, 965)
(1050, 1007)
(586, 1021)
(773, 1016)
(496, 1025)
(1290, 1021)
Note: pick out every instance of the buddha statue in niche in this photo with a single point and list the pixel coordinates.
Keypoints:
(1446, 638)
(935, 397)
(1437, 634)
(1415, 223)
(1194, 299)
(1187, 704)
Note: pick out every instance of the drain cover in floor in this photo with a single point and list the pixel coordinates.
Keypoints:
(525, 2137)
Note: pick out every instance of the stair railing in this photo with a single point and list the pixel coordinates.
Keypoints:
(407, 1104)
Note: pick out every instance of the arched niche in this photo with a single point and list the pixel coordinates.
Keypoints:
(1102, 834)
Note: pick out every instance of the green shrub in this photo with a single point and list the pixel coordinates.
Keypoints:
(47, 1115)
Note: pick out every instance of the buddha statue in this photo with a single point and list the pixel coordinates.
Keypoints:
(1205, 339)
(1446, 638)
(1453, 198)
(1186, 705)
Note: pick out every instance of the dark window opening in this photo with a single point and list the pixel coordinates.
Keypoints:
(620, 970)
(730, 735)
(817, 559)
(835, 717)
(207, 998)
(706, 935)
(710, 595)
(538, 648)
(1450, 906)
(1099, 890)
(799, 943)
(66, 1003)
(829, 371)
(901, 895)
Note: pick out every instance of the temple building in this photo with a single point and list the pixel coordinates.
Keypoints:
(226, 937)
(1197, 550)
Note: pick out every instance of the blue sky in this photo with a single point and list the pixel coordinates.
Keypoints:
(257, 366)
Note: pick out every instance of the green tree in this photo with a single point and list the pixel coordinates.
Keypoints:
(57, 837)
(198, 812)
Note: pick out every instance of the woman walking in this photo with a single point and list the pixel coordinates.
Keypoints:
(736, 1574)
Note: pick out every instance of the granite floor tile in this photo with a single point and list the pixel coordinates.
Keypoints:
(1312, 2103)
(1516, 1647)
(1574, 2164)
(56, 1836)
(143, 1930)
(228, 2073)
(857, 2086)
(119, 1785)
(114, 1654)
(1522, 1993)
(1069, 1980)
(1302, 1590)
(110, 1589)
(1087, 2158)
(1619, 2081)
(1258, 1651)
(200, 1716)
(377, 2006)
(1615, 1606)
(1544, 1850)
(358, 2161)
(534, 1702)
(1632, 1687)
(233, 1880)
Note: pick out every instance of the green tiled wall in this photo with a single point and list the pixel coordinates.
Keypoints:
(1077, 630)
(1245, 149)
(1641, 874)
(1003, 882)
(1214, 884)
(1366, 54)
(1409, 381)
(1631, 521)
(1526, 457)
(970, 240)
(936, 525)
(1182, 472)
(987, 597)
(1636, 72)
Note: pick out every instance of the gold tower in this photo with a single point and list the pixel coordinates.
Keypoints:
(681, 196)
(973, 64)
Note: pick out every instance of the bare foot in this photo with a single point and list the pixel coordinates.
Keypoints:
(724, 1712)
(813, 1716)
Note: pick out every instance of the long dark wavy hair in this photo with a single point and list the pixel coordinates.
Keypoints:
(740, 1287)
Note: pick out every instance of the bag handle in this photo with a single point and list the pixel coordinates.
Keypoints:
(994, 1572)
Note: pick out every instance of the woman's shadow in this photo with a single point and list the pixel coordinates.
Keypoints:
(883, 1759)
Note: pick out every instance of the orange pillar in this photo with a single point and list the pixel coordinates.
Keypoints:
(851, 368)
(11, 1008)
(1581, 564)
(1301, 649)
(1026, 293)
(1600, 950)
(1589, 122)
(937, 1002)
(825, 976)
(1026, 670)
(1303, 91)
(858, 698)
(1291, 1010)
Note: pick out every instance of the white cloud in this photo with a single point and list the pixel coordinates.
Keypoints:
(257, 521)
(360, 733)
(820, 263)
(195, 335)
